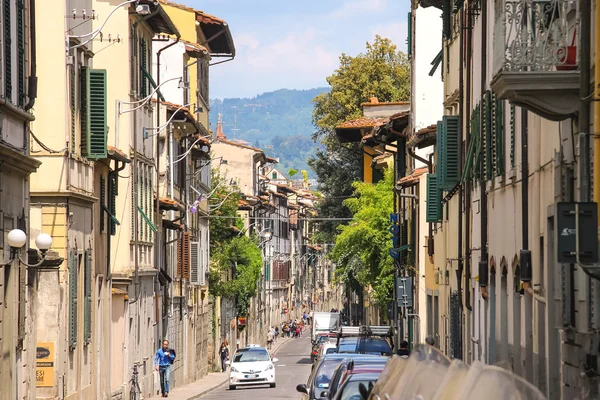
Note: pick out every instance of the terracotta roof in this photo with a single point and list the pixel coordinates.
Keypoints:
(413, 177)
(278, 194)
(203, 139)
(241, 145)
(362, 123)
(272, 160)
(117, 154)
(194, 47)
(429, 129)
(205, 18)
(399, 115)
(382, 156)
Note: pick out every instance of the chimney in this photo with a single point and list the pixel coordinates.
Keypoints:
(220, 133)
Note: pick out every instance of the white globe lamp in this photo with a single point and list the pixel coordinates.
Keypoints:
(43, 242)
(16, 238)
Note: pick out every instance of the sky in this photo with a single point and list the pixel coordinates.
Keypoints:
(296, 45)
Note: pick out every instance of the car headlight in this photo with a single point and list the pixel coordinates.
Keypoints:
(233, 369)
(270, 366)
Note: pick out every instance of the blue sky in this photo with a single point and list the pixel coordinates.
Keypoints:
(296, 45)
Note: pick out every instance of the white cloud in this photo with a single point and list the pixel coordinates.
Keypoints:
(396, 32)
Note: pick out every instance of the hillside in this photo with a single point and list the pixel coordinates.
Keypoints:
(278, 122)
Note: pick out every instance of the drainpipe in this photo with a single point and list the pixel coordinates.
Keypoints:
(461, 99)
(467, 181)
(483, 260)
(32, 83)
(596, 102)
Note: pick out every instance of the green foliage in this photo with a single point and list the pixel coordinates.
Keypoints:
(292, 172)
(304, 175)
(235, 260)
(278, 122)
(241, 257)
(362, 247)
(383, 72)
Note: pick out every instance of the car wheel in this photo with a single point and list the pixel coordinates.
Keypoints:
(231, 387)
(273, 385)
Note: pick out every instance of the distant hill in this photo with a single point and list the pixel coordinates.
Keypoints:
(278, 122)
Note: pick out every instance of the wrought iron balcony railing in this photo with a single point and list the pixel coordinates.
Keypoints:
(535, 35)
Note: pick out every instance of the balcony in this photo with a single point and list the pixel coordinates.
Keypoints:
(536, 59)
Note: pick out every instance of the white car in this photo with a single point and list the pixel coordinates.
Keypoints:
(251, 366)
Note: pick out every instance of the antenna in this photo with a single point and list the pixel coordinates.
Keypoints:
(235, 129)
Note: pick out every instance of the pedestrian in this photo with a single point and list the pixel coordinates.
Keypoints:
(270, 336)
(276, 333)
(298, 331)
(430, 340)
(162, 363)
(404, 352)
(224, 353)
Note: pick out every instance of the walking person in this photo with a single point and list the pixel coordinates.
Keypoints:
(224, 353)
(270, 336)
(403, 351)
(162, 363)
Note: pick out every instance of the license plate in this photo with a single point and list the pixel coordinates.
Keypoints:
(250, 376)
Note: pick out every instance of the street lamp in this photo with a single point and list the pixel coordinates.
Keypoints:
(16, 239)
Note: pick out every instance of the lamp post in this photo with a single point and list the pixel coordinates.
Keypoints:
(16, 240)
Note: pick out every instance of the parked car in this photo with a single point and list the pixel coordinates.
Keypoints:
(328, 347)
(349, 390)
(375, 340)
(321, 375)
(354, 365)
(251, 366)
(321, 338)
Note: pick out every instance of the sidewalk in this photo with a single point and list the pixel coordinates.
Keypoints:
(208, 383)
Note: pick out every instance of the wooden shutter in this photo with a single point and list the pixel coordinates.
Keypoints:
(102, 202)
(7, 52)
(449, 154)
(21, 52)
(73, 288)
(93, 113)
(512, 136)
(87, 286)
(143, 60)
(73, 102)
(498, 136)
(112, 198)
(434, 206)
(446, 19)
(196, 261)
(409, 35)
(183, 256)
(487, 135)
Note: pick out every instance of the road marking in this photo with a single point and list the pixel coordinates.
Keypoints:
(282, 365)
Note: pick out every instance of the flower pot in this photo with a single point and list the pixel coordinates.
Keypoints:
(569, 60)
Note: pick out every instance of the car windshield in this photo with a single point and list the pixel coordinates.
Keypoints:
(351, 392)
(250, 355)
(330, 350)
(324, 374)
(376, 346)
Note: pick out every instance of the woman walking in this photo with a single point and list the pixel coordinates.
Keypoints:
(224, 352)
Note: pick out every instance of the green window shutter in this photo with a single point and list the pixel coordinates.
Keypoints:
(102, 202)
(476, 136)
(512, 136)
(7, 52)
(132, 61)
(498, 136)
(73, 288)
(447, 19)
(450, 169)
(409, 36)
(434, 204)
(73, 110)
(487, 135)
(112, 195)
(93, 113)
(21, 52)
(143, 80)
(87, 307)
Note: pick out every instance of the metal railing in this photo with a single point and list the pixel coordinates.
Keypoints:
(535, 35)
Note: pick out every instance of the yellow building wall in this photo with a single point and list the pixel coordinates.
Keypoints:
(184, 20)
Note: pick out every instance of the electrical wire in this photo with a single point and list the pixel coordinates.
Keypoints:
(184, 155)
(95, 33)
(162, 127)
(43, 146)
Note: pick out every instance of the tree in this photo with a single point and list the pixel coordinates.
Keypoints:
(362, 247)
(382, 72)
(236, 260)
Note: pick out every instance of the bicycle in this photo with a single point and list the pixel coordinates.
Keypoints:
(136, 391)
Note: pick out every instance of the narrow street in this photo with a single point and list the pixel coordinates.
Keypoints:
(292, 368)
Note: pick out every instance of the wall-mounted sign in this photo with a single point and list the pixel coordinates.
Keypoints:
(44, 358)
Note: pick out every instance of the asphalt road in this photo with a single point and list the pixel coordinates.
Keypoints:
(292, 368)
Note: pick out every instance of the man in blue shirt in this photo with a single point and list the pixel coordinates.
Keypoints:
(162, 363)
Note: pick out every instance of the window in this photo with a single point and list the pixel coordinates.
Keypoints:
(93, 113)
(73, 291)
(493, 135)
(274, 175)
(429, 314)
(434, 199)
(183, 256)
(448, 149)
(203, 81)
(73, 104)
(186, 85)
(142, 200)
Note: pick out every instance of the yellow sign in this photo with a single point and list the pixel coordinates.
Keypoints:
(44, 357)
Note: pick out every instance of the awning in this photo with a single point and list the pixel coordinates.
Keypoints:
(117, 155)
(217, 35)
(159, 21)
(164, 278)
(147, 220)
